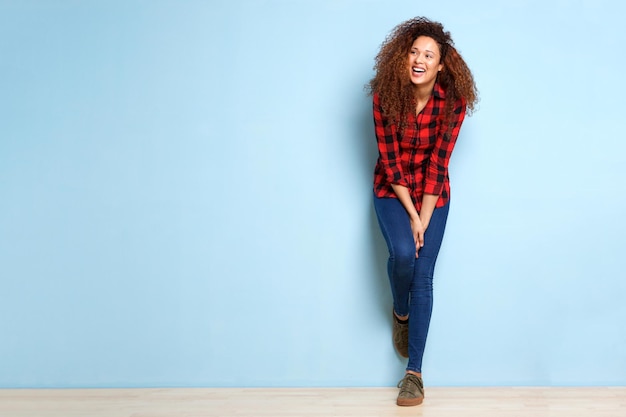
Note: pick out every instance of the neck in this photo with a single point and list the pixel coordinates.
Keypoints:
(423, 92)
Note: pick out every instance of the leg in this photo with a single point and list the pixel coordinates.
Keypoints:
(396, 228)
(421, 290)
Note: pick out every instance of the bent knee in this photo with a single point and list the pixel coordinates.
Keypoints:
(404, 254)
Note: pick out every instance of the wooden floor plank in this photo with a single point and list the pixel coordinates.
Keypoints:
(301, 402)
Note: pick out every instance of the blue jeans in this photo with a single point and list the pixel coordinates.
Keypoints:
(411, 279)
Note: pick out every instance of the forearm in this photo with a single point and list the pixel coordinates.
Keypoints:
(429, 201)
(416, 225)
(405, 198)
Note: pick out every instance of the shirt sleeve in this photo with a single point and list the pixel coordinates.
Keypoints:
(388, 146)
(437, 170)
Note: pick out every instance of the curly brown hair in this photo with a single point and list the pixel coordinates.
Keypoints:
(392, 81)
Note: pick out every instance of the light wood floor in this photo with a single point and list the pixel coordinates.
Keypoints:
(294, 402)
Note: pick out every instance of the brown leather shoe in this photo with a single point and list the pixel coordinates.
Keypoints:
(400, 335)
(411, 391)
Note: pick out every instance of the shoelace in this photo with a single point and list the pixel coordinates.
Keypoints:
(409, 383)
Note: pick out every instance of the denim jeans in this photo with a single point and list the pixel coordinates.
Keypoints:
(411, 278)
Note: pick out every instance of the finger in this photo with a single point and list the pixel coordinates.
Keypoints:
(420, 236)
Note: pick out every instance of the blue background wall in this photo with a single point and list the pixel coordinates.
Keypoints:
(185, 196)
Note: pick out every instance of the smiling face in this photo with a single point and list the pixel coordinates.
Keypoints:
(424, 62)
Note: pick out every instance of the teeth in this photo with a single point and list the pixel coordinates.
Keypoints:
(418, 70)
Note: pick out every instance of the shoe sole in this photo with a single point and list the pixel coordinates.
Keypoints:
(409, 402)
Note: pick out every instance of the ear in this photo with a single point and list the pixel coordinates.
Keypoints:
(440, 67)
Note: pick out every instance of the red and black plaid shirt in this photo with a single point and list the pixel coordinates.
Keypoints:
(418, 157)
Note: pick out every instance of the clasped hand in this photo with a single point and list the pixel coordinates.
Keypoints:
(418, 230)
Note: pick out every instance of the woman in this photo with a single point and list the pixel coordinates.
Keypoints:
(421, 93)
